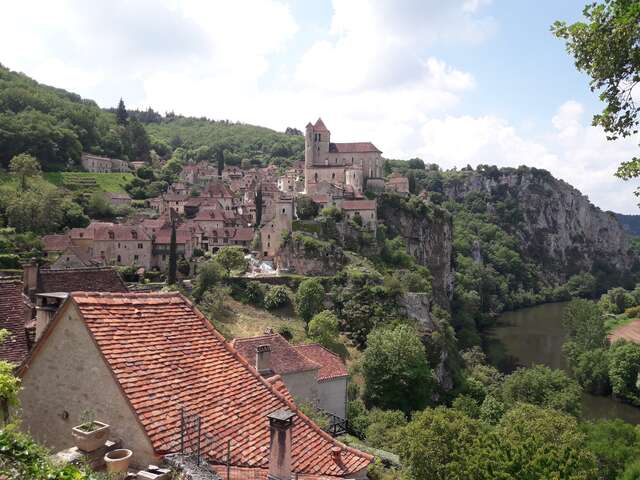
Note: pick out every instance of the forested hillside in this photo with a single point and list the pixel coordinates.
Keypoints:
(55, 126)
(631, 223)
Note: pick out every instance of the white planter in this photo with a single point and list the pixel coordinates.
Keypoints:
(93, 440)
(118, 460)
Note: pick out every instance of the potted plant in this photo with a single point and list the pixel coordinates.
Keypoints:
(118, 460)
(90, 434)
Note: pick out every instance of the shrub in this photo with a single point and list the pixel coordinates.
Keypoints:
(277, 297)
(309, 298)
(385, 428)
(9, 260)
(633, 312)
(624, 368)
(286, 332)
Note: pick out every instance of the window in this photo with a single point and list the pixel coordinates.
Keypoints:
(81, 234)
(283, 210)
(111, 236)
(135, 258)
(134, 234)
(333, 176)
(139, 245)
(119, 259)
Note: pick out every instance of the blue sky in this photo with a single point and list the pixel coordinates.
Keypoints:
(455, 82)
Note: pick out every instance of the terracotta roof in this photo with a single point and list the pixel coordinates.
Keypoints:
(12, 318)
(55, 243)
(103, 279)
(166, 356)
(284, 356)
(320, 198)
(354, 147)
(331, 365)
(104, 231)
(320, 126)
(359, 205)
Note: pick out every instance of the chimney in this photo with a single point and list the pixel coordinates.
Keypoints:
(280, 425)
(30, 277)
(263, 360)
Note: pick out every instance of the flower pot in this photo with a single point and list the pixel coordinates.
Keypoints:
(118, 460)
(90, 441)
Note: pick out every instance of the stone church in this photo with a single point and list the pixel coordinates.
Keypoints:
(348, 167)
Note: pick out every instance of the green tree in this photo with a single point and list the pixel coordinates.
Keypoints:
(438, 443)
(584, 324)
(533, 442)
(395, 370)
(542, 386)
(306, 208)
(121, 113)
(277, 297)
(99, 207)
(258, 202)
(173, 252)
(309, 298)
(624, 371)
(385, 429)
(24, 166)
(220, 160)
(606, 47)
(614, 443)
(209, 274)
(231, 258)
(324, 329)
(140, 146)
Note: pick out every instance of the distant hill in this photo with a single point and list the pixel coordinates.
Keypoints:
(631, 223)
(55, 126)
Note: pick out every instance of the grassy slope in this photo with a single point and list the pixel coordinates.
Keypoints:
(108, 182)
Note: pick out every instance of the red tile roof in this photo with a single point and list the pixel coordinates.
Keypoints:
(166, 356)
(354, 147)
(12, 318)
(284, 356)
(320, 126)
(104, 279)
(359, 205)
(107, 230)
(331, 365)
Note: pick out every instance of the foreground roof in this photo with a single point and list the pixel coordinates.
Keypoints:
(12, 318)
(99, 279)
(284, 356)
(166, 356)
(331, 365)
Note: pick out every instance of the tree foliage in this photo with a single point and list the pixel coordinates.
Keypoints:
(309, 298)
(606, 46)
(395, 370)
(231, 258)
(24, 166)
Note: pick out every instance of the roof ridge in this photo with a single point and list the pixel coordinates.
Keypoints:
(281, 397)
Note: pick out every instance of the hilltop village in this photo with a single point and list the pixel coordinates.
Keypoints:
(211, 208)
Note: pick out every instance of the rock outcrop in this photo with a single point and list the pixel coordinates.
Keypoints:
(427, 231)
(307, 255)
(558, 227)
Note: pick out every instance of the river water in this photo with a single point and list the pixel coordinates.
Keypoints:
(535, 336)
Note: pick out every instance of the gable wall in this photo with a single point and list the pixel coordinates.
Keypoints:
(69, 374)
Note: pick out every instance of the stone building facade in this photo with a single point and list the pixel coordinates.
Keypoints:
(357, 165)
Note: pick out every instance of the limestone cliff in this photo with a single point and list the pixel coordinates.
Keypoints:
(427, 230)
(558, 227)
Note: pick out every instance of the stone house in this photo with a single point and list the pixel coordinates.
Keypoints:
(114, 244)
(98, 164)
(101, 353)
(397, 183)
(365, 209)
(292, 181)
(276, 227)
(311, 373)
(118, 199)
(356, 164)
(71, 258)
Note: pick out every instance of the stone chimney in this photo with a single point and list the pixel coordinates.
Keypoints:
(280, 424)
(30, 277)
(263, 360)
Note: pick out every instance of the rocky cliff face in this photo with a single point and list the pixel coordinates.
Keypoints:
(558, 227)
(427, 230)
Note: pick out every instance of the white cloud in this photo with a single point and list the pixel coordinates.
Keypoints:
(572, 150)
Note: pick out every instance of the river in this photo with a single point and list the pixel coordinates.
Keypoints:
(535, 336)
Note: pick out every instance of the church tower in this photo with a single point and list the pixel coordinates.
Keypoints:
(316, 148)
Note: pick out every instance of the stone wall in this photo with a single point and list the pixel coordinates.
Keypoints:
(69, 376)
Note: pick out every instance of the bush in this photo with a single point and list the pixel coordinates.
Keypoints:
(358, 417)
(624, 369)
(385, 429)
(9, 260)
(633, 312)
(277, 297)
(309, 298)
(286, 332)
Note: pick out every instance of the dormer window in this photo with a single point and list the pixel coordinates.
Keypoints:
(134, 234)
(111, 236)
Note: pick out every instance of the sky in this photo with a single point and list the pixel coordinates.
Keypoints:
(454, 82)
